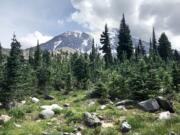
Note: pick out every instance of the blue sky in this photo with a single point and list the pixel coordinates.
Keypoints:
(50, 17)
(44, 19)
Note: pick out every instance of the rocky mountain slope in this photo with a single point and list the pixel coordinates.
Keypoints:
(80, 41)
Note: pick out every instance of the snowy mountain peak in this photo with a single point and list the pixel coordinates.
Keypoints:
(78, 41)
(81, 41)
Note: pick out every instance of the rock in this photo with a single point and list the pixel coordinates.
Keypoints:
(47, 97)
(110, 102)
(45, 133)
(66, 133)
(45, 114)
(35, 100)
(100, 117)
(125, 127)
(126, 103)
(91, 120)
(56, 107)
(10, 105)
(165, 115)
(164, 104)
(91, 103)
(17, 125)
(78, 133)
(52, 107)
(102, 107)
(23, 102)
(46, 107)
(150, 105)
(4, 119)
(122, 107)
(66, 105)
(79, 128)
(172, 133)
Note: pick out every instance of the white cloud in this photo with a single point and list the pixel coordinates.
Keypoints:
(93, 14)
(30, 39)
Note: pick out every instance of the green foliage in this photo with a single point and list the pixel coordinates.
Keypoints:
(13, 74)
(17, 112)
(125, 42)
(176, 77)
(43, 75)
(154, 43)
(80, 71)
(118, 87)
(164, 48)
(106, 48)
(37, 57)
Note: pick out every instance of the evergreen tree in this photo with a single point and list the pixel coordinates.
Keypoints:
(176, 55)
(1, 68)
(1, 55)
(164, 48)
(12, 74)
(125, 46)
(31, 60)
(140, 49)
(43, 76)
(92, 55)
(93, 62)
(46, 58)
(106, 48)
(154, 42)
(150, 48)
(176, 77)
(80, 71)
(37, 56)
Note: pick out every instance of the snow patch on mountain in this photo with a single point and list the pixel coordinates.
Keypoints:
(57, 44)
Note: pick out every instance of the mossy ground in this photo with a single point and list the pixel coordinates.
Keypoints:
(67, 120)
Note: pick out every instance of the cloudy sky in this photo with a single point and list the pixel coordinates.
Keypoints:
(44, 19)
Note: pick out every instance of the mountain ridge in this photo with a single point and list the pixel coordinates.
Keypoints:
(81, 41)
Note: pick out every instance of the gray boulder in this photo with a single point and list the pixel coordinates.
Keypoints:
(45, 114)
(165, 104)
(91, 120)
(35, 100)
(125, 127)
(150, 105)
(47, 97)
(126, 102)
(4, 119)
(172, 133)
(66, 105)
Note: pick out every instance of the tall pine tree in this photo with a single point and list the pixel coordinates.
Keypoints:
(154, 43)
(12, 74)
(150, 48)
(1, 55)
(139, 51)
(37, 56)
(164, 48)
(106, 48)
(93, 61)
(125, 46)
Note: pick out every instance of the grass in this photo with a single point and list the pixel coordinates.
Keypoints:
(68, 119)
